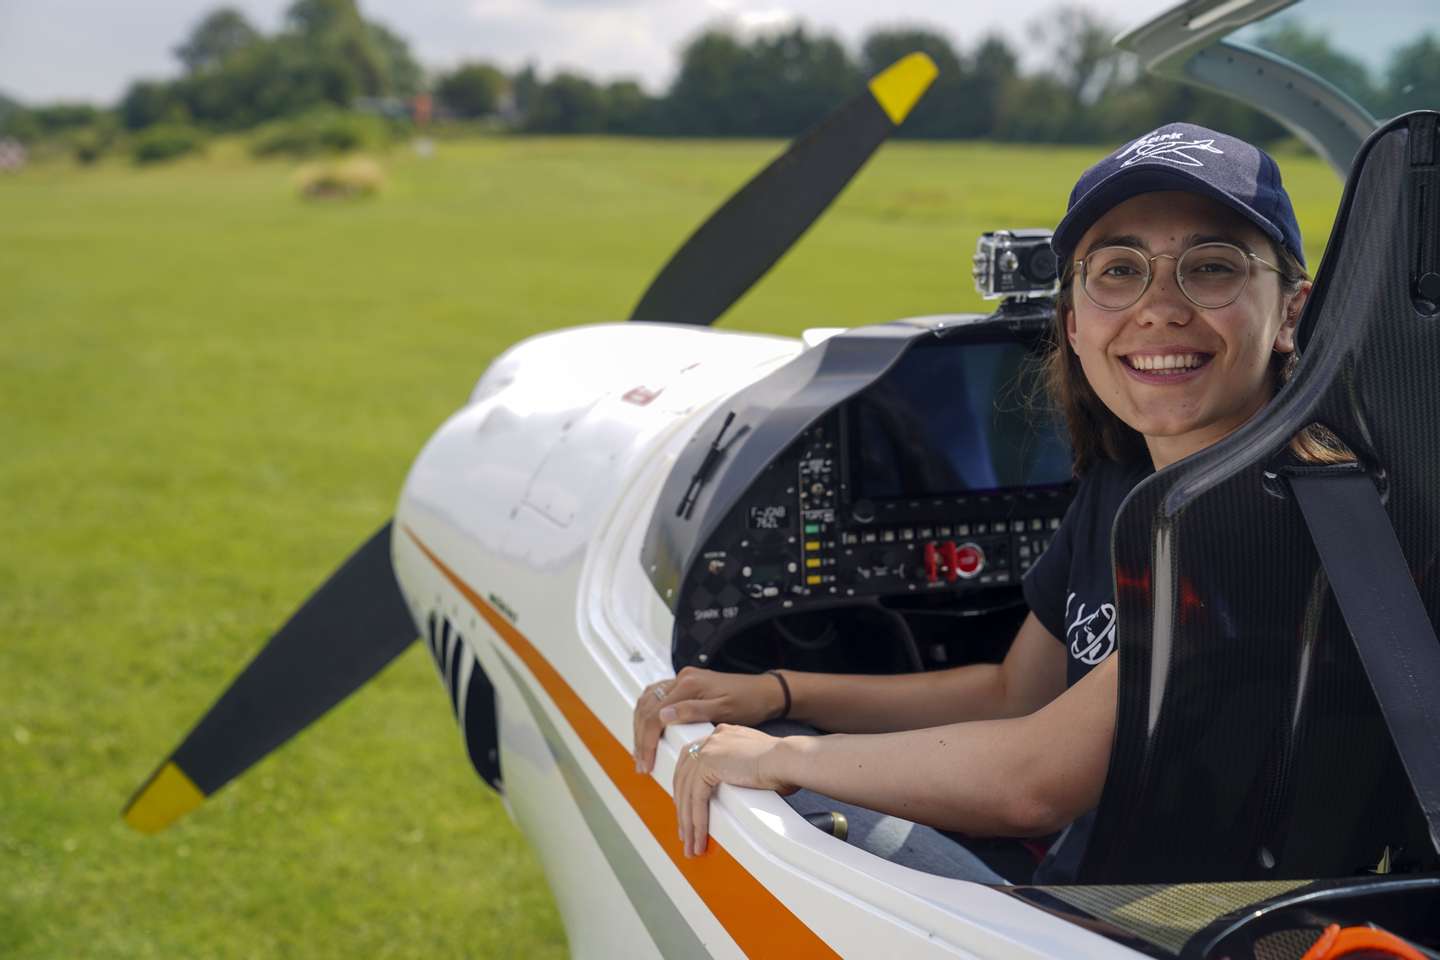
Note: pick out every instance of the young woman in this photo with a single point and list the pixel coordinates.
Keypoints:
(1183, 278)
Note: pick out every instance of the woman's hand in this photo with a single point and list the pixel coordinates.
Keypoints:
(738, 755)
(702, 696)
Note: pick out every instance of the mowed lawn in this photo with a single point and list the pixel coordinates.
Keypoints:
(210, 392)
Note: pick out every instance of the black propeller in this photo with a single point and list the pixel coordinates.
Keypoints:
(357, 622)
(742, 240)
(346, 633)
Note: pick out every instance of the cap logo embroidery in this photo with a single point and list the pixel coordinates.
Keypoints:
(1169, 147)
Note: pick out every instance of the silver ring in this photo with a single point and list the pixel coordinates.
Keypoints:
(660, 692)
(693, 749)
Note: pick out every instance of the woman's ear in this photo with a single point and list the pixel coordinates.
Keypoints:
(1070, 328)
(1294, 305)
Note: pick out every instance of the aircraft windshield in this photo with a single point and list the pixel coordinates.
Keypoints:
(1384, 54)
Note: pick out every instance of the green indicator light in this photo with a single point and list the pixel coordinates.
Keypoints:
(812, 528)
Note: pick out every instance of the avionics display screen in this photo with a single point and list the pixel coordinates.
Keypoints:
(955, 419)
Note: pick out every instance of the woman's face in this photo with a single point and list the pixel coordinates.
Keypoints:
(1223, 354)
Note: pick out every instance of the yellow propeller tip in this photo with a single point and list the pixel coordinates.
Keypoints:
(168, 796)
(899, 86)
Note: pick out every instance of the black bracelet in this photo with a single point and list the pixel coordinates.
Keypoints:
(785, 689)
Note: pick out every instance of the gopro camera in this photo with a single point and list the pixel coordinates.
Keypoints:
(1017, 264)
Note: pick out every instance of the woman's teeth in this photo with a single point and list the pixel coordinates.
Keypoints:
(1168, 363)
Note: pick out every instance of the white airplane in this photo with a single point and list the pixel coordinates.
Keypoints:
(617, 501)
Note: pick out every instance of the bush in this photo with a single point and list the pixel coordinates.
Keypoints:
(89, 144)
(341, 180)
(166, 142)
(320, 131)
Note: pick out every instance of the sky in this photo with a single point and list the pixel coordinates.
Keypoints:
(90, 50)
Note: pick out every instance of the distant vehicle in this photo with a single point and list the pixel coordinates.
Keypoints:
(615, 502)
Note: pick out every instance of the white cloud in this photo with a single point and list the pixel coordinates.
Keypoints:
(765, 21)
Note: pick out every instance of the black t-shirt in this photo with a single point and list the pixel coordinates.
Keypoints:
(1071, 592)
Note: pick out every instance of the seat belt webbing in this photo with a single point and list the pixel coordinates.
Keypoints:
(1387, 619)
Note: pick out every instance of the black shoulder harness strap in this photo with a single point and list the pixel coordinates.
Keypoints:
(1386, 617)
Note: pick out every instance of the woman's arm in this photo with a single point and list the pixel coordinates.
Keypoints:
(1020, 776)
(1032, 674)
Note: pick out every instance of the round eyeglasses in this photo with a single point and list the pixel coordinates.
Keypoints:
(1211, 275)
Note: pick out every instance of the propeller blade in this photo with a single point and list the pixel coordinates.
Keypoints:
(348, 630)
(752, 230)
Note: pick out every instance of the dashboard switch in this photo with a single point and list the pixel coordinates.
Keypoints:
(968, 561)
(932, 563)
(952, 560)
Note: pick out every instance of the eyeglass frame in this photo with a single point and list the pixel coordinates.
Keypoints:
(1150, 272)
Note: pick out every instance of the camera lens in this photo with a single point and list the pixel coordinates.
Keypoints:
(1042, 265)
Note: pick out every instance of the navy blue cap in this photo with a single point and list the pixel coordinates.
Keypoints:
(1183, 156)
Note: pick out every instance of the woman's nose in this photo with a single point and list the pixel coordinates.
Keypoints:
(1164, 302)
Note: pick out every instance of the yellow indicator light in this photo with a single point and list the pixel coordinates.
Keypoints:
(813, 580)
(812, 544)
(812, 562)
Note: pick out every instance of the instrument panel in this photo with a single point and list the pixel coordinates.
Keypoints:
(940, 480)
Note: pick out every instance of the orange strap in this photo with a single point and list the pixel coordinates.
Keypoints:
(1335, 942)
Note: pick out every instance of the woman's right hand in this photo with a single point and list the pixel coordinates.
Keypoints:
(700, 696)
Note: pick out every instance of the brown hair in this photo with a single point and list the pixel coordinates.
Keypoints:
(1097, 434)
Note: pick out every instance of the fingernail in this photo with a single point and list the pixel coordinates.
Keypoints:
(667, 714)
(639, 767)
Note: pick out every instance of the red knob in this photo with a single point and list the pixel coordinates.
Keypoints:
(968, 560)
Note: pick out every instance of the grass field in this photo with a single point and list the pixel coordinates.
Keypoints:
(210, 392)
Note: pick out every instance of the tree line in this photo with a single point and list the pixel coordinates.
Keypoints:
(328, 57)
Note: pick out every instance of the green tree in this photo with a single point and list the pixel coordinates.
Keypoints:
(706, 96)
(405, 76)
(147, 102)
(994, 70)
(218, 36)
(471, 90)
(525, 90)
(1412, 78)
(569, 103)
(59, 117)
(333, 32)
(776, 85)
(794, 78)
(629, 109)
(17, 122)
(1312, 49)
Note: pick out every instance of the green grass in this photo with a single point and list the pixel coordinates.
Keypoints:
(210, 392)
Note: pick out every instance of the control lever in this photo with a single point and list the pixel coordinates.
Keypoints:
(932, 562)
(952, 561)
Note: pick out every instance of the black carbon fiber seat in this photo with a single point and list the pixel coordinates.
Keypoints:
(1249, 743)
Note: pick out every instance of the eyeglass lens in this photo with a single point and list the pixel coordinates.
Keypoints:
(1210, 274)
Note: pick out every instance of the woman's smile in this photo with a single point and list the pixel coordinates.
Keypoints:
(1169, 366)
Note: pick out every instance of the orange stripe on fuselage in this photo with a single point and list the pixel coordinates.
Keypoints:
(758, 922)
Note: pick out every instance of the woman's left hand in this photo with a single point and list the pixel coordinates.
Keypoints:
(732, 754)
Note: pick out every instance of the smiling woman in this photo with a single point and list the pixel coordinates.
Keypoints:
(1180, 372)
(1175, 325)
